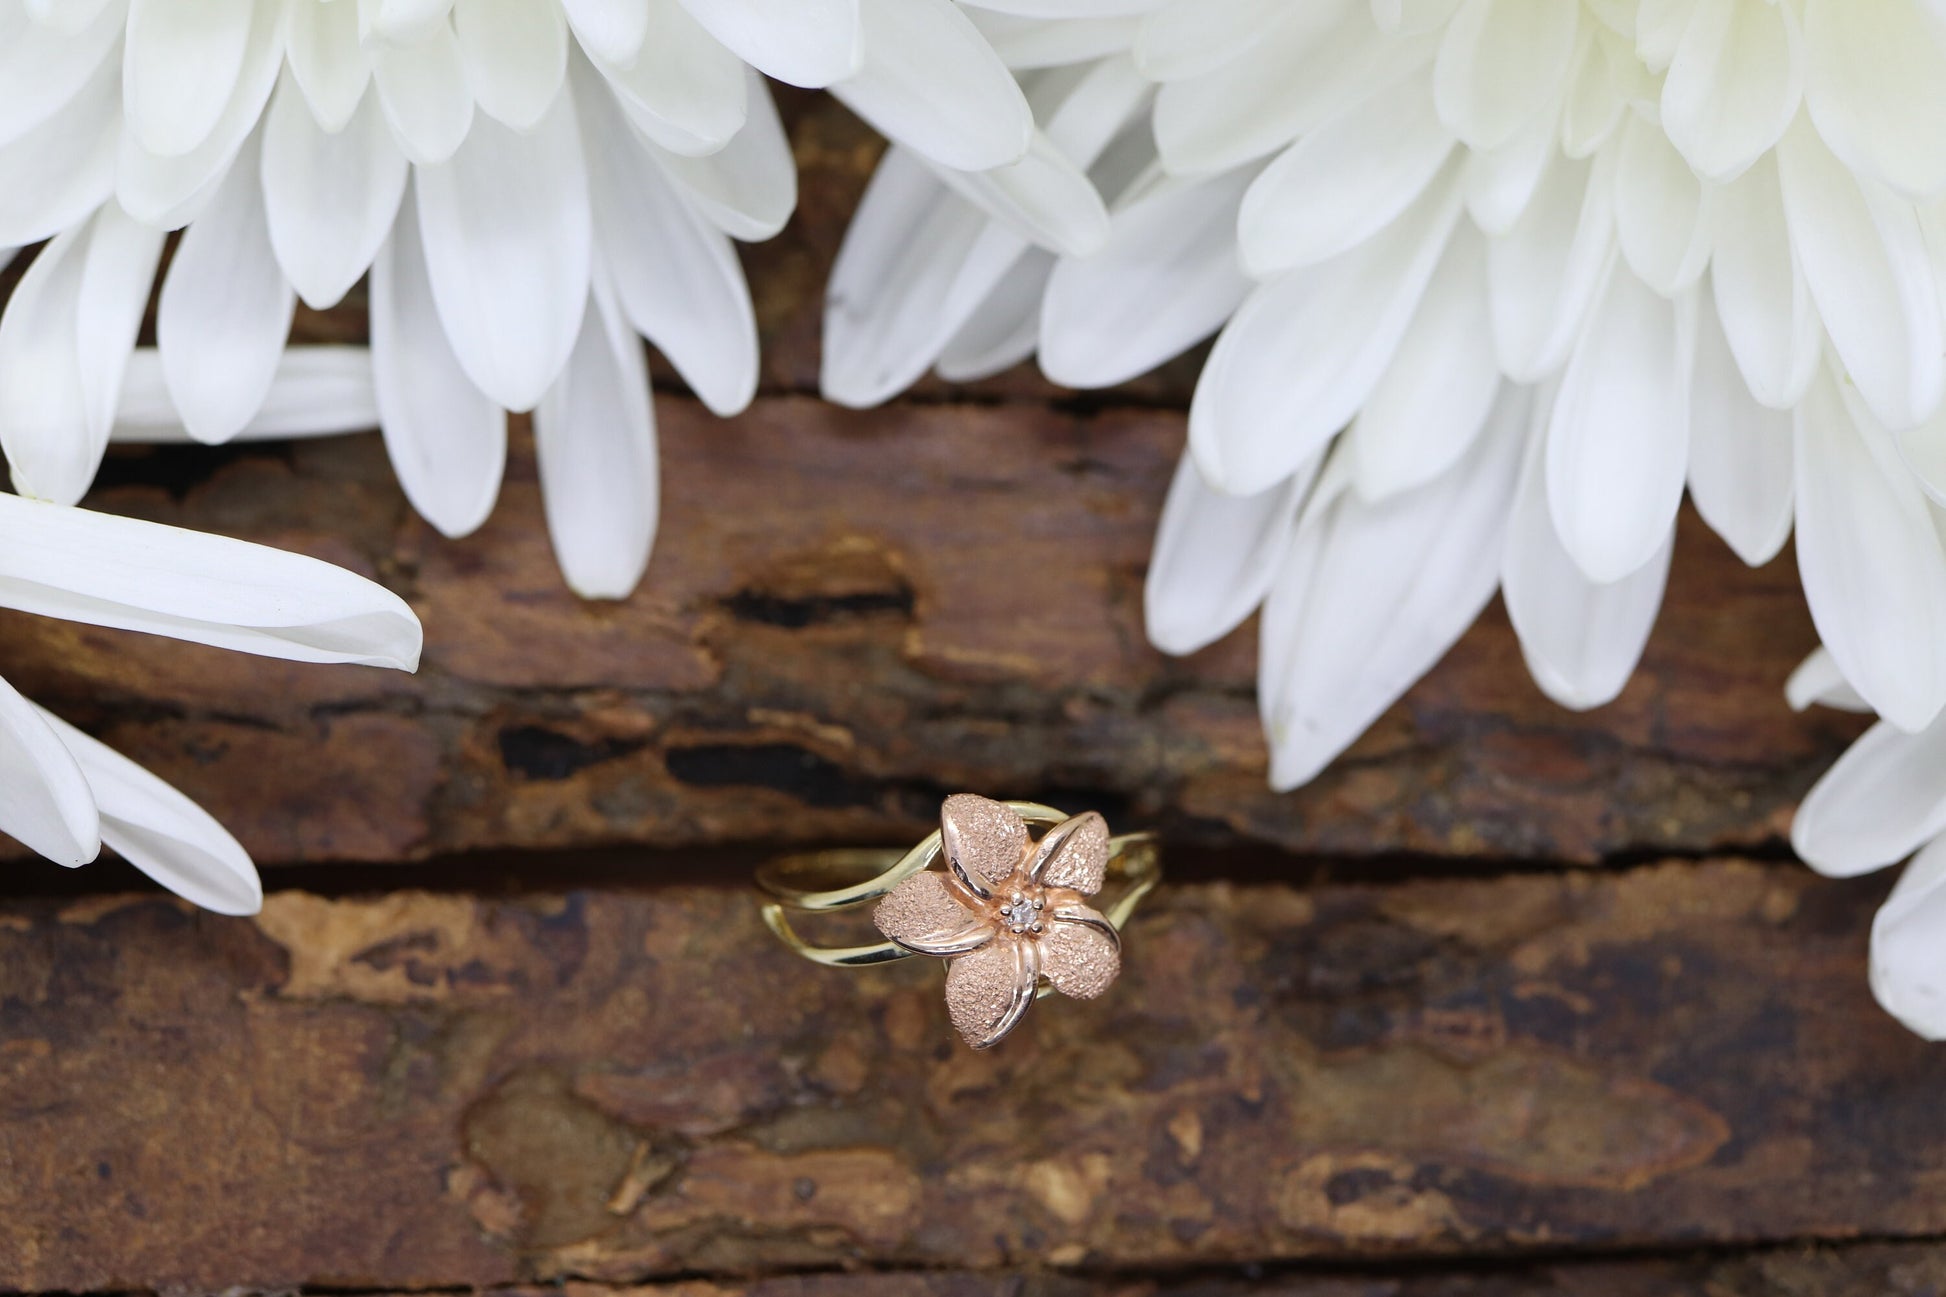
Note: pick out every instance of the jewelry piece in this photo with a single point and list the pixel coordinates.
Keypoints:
(1009, 915)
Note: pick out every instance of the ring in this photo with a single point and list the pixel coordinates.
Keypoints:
(1009, 914)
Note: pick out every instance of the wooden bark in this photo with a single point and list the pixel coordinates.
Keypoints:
(423, 1089)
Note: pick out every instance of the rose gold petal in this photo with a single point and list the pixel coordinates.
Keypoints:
(920, 906)
(988, 991)
(984, 837)
(1080, 958)
(1078, 857)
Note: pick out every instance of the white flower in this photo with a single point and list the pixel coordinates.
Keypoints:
(1497, 280)
(65, 795)
(530, 184)
(1884, 800)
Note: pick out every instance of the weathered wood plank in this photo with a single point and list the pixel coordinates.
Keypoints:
(850, 614)
(438, 1089)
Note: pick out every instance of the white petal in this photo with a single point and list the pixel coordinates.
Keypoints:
(803, 42)
(1909, 946)
(683, 89)
(1188, 38)
(1342, 183)
(612, 31)
(54, 175)
(747, 188)
(1434, 397)
(45, 801)
(506, 228)
(318, 391)
(1740, 467)
(1618, 439)
(1044, 198)
(424, 91)
(1304, 351)
(1870, 560)
(516, 54)
(180, 66)
(114, 294)
(160, 831)
(1216, 555)
(329, 200)
(1734, 84)
(1661, 212)
(46, 69)
(1818, 680)
(930, 82)
(447, 440)
(1873, 89)
(326, 60)
(1865, 258)
(1761, 294)
(1004, 330)
(1878, 804)
(1026, 43)
(677, 278)
(595, 438)
(1166, 279)
(1372, 595)
(1595, 103)
(401, 22)
(1502, 62)
(225, 310)
(1500, 183)
(1581, 639)
(111, 571)
(1545, 272)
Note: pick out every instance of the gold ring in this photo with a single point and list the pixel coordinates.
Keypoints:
(1009, 914)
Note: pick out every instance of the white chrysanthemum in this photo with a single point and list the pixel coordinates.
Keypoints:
(1496, 280)
(529, 183)
(1883, 801)
(64, 794)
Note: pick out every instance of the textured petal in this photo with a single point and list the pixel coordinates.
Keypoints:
(1342, 183)
(1435, 395)
(1078, 957)
(447, 439)
(506, 230)
(1502, 62)
(1873, 89)
(1818, 680)
(1877, 804)
(595, 438)
(803, 42)
(1618, 439)
(990, 990)
(1734, 84)
(516, 54)
(160, 831)
(1166, 279)
(983, 839)
(1740, 467)
(1865, 258)
(1909, 946)
(1372, 595)
(923, 914)
(676, 277)
(1761, 294)
(1581, 639)
(1305, 350)
(110, 571)
(329, 199)
(1545, 272)
(1869, 558)
(225, 310)
(1073, 854)
(1216, 555)
(45, 801)
(931, 82)
(179, 68)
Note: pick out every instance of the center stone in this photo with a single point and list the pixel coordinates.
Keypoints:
(1021, 910)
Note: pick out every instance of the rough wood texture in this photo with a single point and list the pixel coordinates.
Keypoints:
(426, 1089)
(849, 615)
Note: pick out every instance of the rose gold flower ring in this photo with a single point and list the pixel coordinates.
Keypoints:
(1009, 914)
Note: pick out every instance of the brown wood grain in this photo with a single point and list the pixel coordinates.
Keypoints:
(849, 615)
(437, 1089)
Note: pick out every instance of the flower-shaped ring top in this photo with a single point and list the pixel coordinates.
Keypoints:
(1006, 912)
(1010, 915)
